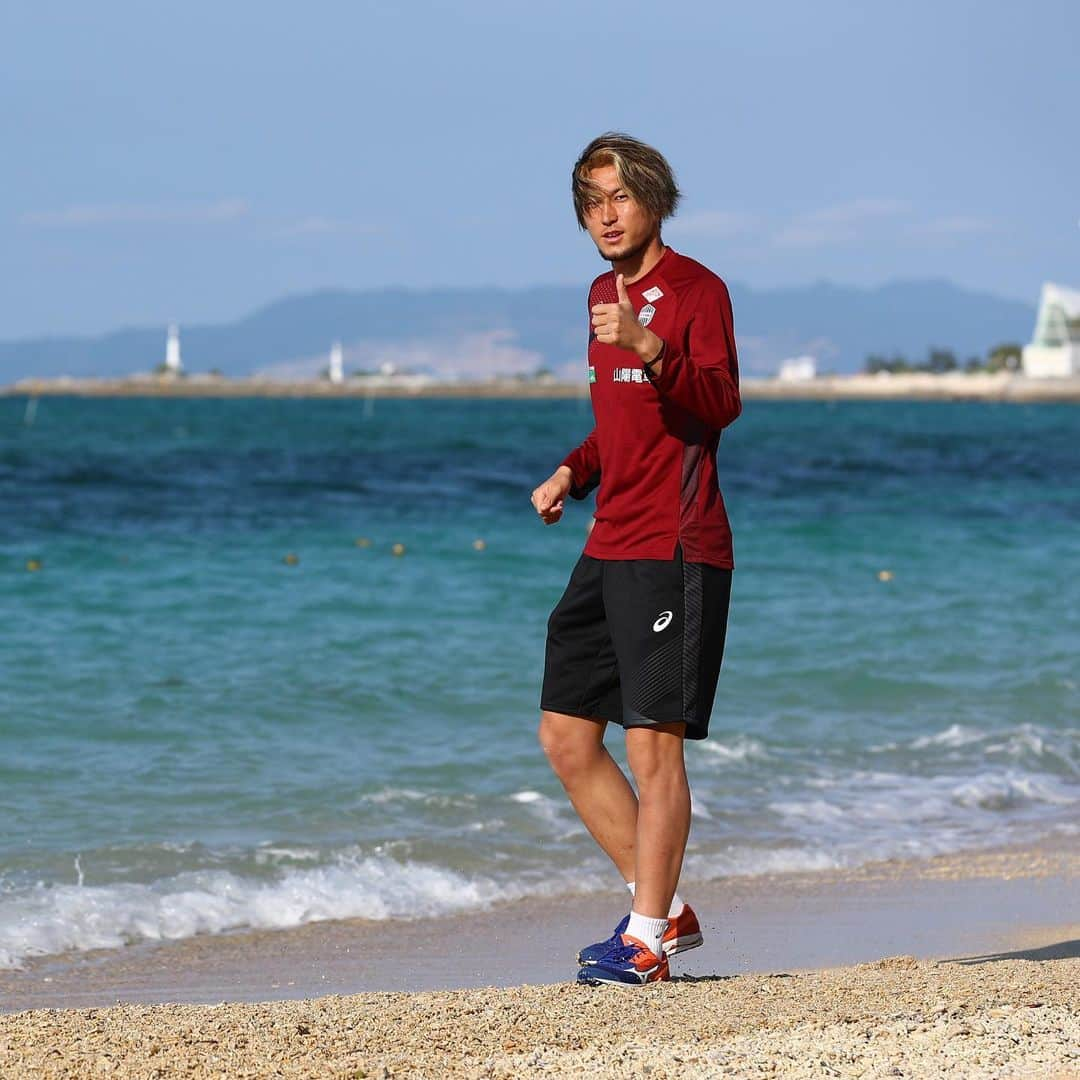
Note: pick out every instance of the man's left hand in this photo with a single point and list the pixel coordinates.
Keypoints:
(616, 324)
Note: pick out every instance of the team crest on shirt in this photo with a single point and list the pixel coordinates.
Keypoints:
(645, 315)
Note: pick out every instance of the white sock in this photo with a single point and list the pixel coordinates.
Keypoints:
(648, 931)
(676, 901)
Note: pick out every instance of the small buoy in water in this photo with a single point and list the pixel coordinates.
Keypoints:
(292, 559)
(398, 549)
(478, 545)
(33, 565)
(363, 542)
(884, 575)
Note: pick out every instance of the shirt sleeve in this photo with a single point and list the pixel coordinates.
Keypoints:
(700, 372)
(584, 466)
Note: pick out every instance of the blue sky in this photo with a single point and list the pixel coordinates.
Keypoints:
(195, 161)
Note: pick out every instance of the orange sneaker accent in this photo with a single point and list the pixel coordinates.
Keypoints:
(646, 959)
(683, 933)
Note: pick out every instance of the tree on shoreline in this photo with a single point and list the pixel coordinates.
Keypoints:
(1006, 357)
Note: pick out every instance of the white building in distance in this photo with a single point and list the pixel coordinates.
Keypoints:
(173, 364)
(336, 372)
(1054, 351)
(797, 369)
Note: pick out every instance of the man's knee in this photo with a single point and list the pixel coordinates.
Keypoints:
(655, 754)
(570, 743)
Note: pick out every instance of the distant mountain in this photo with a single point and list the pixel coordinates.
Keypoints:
(479, 331)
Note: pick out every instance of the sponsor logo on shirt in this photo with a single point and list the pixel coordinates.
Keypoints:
(628, 374)
(663, 621)
(645, 314)
(653, 294)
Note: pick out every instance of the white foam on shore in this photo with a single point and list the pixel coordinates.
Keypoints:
(438, 799)
(1006, 790)
(47, 920)
(1022, 741)
(954, 735)
(557, 815)
(860, 798)
(741, 748)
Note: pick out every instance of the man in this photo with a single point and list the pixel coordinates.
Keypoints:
(638, 635)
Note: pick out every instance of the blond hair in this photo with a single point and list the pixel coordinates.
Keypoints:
(642, 171)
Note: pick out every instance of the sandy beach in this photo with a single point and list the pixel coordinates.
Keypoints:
(962, 965)
(979, 1017)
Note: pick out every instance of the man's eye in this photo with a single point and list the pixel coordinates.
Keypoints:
(621, 198)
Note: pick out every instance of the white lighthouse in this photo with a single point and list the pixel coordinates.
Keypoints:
(336, 372)
(173, 365)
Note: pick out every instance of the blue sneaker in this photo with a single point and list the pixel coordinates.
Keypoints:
(683, 933)
(630, 963)
(591, 953)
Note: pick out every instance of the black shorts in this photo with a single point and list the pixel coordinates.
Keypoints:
(638, 642)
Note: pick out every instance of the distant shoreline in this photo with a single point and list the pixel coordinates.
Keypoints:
(914, 386)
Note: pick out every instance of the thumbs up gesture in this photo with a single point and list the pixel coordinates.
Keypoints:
(616, 324)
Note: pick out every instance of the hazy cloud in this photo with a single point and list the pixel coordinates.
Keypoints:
(137, 214)
(713, 223)
(760, 355)
(839, 224)
(317, 225)
(469, 356)
(492, 352)
(829, 226)
(953, 226)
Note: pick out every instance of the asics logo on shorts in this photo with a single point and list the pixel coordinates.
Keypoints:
(662, 622)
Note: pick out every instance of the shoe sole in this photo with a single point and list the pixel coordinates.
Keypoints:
(671, 948)
(683, 944)
(599, 981)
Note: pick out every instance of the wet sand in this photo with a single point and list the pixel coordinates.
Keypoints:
(985, 985)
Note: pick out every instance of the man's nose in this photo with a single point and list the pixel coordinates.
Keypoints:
(608, 214)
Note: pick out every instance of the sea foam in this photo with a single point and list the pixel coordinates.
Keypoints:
(46, 920)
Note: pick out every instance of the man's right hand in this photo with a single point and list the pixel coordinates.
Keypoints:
(549, 497)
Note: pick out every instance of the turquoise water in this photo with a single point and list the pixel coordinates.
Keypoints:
(197, 736)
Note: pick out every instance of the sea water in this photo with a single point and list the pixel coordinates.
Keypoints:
(226, 703)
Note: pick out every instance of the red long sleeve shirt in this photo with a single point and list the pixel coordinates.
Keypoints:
(653, 449)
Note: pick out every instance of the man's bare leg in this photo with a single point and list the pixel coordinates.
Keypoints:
(655, 755)
(597, 787)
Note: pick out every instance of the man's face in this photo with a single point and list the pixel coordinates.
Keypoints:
(619, 225)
